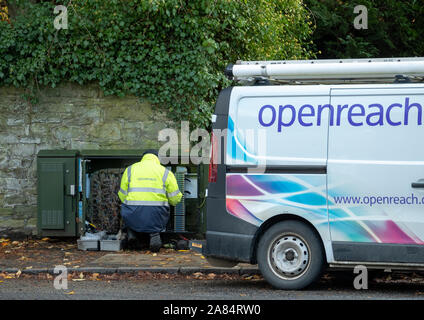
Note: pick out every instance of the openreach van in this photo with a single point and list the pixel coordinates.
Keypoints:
(318, 164)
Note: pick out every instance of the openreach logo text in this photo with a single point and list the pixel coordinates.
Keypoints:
(357, 115)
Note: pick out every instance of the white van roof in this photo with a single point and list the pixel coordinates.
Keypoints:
(330, 71)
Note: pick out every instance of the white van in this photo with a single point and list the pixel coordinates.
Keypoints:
(339, 178)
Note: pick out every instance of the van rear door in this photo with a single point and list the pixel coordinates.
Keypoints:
(374, 172)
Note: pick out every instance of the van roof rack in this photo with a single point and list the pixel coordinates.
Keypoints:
(381, 70)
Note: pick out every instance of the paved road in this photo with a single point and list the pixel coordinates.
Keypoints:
(340, 287)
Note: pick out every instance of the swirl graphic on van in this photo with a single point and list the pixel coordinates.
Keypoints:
(257, 198)
(357, 115)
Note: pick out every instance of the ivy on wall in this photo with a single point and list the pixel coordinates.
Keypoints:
(170, 52)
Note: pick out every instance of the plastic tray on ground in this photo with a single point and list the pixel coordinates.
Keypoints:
(88, 245)
(110, 245)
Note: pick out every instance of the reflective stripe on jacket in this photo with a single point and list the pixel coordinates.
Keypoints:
(148, 183)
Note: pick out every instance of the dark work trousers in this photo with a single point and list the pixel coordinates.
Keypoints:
(146, 219)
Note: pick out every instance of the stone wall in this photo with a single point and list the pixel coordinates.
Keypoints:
(66, 117)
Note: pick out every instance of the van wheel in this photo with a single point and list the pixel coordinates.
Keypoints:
(290, 255)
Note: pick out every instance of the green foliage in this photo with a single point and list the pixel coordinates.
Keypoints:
(170, 52)
(395, 28)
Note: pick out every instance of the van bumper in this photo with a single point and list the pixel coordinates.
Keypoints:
(229, 246)
(227, 237)
(232, 247)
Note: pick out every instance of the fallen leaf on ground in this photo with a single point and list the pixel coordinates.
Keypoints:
(94, 276)
(30, 267)
(45, 239)
(71, 292)
(18, 273)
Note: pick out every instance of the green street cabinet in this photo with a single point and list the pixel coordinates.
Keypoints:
(64, 189)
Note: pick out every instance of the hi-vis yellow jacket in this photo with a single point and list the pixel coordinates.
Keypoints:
(148, 183)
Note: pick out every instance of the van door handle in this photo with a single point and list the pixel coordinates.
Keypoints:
(418, 184)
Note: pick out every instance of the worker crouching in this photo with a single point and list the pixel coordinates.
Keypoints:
(147, 190)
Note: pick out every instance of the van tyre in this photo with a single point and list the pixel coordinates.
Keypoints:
(290, 255)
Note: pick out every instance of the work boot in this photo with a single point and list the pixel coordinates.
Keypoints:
(132, 239)
(155, 242)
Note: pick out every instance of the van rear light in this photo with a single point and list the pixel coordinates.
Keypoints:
(213, 165)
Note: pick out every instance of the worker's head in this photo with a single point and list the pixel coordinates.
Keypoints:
(150, 151)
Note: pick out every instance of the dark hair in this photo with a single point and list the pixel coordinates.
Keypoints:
(152, 151)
